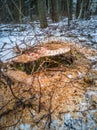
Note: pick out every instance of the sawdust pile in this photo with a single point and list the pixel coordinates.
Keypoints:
(44, 81)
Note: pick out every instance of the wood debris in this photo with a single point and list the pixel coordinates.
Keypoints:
(55, 82)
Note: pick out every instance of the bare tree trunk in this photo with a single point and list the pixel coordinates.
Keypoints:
(85, 10)
(9, 11)
(20, 11)
(78, 6)
(63, 7)
(54, 10)
(81, 9)
(30, 9)
(42, 13)
(88, 10)
(48, 6)
(69, 9)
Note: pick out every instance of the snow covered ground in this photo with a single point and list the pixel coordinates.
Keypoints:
(25, 35)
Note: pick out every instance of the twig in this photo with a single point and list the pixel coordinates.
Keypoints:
(40, 94)
(50, 110)
(12, 124)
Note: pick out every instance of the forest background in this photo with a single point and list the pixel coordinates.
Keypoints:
(21, 11)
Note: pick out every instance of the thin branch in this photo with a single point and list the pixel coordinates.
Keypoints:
(14, 123)
(40, 94)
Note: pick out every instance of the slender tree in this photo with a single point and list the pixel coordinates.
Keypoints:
(54, 10)
(20, 11)
(95, 11)
(85, 9)
(42, 13)
(78, 6)
(69, 9)
(48, 4)
(63, 7)
(88, 10)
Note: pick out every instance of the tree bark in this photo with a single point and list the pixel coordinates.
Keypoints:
(69, 9)
(78, 6)
(63, 7)
(42, 13)
(54, 10)
(85, 10)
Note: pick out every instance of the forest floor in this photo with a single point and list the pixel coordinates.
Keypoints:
(51, 86)
(25, 35)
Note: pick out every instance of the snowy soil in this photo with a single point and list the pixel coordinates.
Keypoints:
(25, 35)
